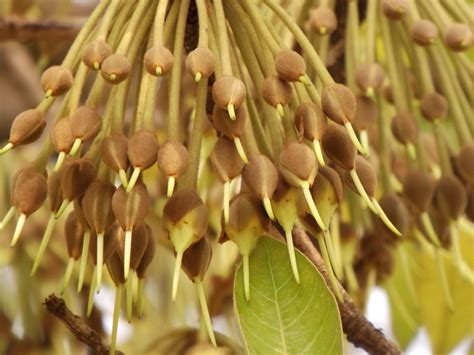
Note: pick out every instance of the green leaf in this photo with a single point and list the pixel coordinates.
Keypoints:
(283, 317)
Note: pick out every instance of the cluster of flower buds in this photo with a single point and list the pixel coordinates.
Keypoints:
(270, 132)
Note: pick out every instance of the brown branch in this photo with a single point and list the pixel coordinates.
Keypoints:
(12, 27)
(57, 307)
(358, 329)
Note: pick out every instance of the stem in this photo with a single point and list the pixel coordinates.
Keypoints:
(203, 24)
(159, 24)
(205, 311)
(118, 301)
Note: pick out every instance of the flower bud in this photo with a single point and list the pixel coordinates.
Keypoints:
(465, 162)
(260, 176)
(323, 20)
(110, 244)
(114, 152)
(338, 147)
(173, 158)
(79, 211)
(225, 160)
(338, 103)
(97, 206)
(74, 233)
(450, 197)
(418, 189)
(56, 80)
(229, 128)
(423, 32)
(61, 135)
(470, 203)
(76, 177)
(149, 254)
(115, 267)
(366, 174)
(29, 191)
(158, 61)
(404, 128)
(142, 149)
(396, 212)
(458, 37)
(395, 9)
(139, 245)
(228, 90)
(369, 76)
(297, 163)
(95, 53)
(201, 60)
(115, 68)
(130, 209)
(276, 91)
(366, 115)
(310, 121)
(27, 127)
(55, 194)
(85, 123)
(290, 65)
(433, 106)
(196, 259)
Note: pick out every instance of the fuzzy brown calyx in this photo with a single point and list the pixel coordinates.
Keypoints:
(434, 106)
(74, 234)
(115, 268)
(182, 203)
(366, 174)
(114, 152)
(85, 123)
(228, 90)
(61, 135)
(423, 32)
(397, 213)
(95, 53)
(131, 208)
(458, 37)
(395, 9)
(115, 68)
(369, 76)
(229, 128)
(97, 206)
(79, 211)
(142, 149)
(27, 127)
(76, 177)
(404, 128)
(173, 158)
(200, 63)
(225, 160)
(290, 65)
(297, 164)
(148, 255)
(310, 121)
(56, 80)
(418, 189)
(465, 162)
(196, 259)
(139, 245)
(276, 91)
(29, 190)
(260, 176)
(338, 103)
(450, 197)
(158, 60)
(55, 193)
(366, 114)
(323, 20)
(338, 147)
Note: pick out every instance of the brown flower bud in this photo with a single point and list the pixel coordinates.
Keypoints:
(115, 267)
(290, 65)
(388, 93)
(130, 209)
(29, 191)
(85, 123)
(55, 194)
(95, 53)
(196, 259)
(404, 128)
(139, 245)
(97, 206)
(110, 244)
(114, 152)
(56, 80)
(297, 163)
(423, 32)
(465, 162)
(173, 158)
(433, 106)
(395, 9)
(450, 197)
(366, 114)
(366, 174)
(61, 135)
(27, 127)
(338, 147)
(310, 121)
(225, 160)
(369, 76)
(470, 203)
(142, 149)
(76, 177)
(229, 128)
(338, 103)
(418, 189)
(158, 61)
(74, 233)
(228, 90)
(458, 37)
(260, 176)
(115, 68)
(79, 211)
(396, 212)
(149, 254)
(276, 91)
(323, 20)
(200, 60)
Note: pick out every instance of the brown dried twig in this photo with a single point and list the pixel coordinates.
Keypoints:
(358, 329)
(12, 27)
(57, 307)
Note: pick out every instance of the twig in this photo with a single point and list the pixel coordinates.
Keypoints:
(57, 307)
(12, 27)
(358, 329)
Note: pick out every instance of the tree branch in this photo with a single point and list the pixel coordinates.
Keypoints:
(57, 307)
(358, 329)
(12, 27)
